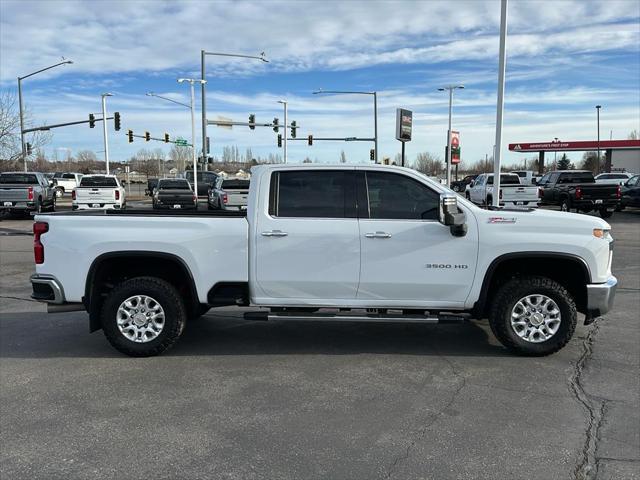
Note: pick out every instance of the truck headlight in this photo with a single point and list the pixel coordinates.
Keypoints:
(602, 233)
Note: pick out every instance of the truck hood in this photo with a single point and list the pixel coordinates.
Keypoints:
(544, 219)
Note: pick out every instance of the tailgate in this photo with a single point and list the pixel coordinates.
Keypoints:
(594, 191)
(13, 194)
(95, 195)
(519, 193)
(237, 198)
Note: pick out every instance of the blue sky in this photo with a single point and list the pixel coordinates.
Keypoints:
(564, 57)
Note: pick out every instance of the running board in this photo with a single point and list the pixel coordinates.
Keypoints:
(320, 317)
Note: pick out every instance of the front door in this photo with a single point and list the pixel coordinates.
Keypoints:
(408, 257)
(307, 244)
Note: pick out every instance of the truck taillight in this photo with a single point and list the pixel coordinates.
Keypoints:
(117, 194)
(73, 194)
(30, 193)
(578, 193)
(38, 249)
(224, 198)
(618, 192)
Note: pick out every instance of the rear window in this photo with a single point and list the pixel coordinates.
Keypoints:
(98, 182)
(19, 178)
(310, 194)
(174, 185)
(506, 180)
(235, 184)
(614, 176)
(576, 177)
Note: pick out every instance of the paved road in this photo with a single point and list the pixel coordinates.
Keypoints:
(242, 400)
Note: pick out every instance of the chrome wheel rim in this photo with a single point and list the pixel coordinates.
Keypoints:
(140, 318)
(535, 318)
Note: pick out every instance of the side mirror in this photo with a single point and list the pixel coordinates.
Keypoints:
(451, 217)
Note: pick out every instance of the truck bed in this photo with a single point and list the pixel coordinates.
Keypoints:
(143, 212)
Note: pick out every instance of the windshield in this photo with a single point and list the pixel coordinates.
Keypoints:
(98, 182)
(206, 177)
(235, 184)
(19, 178)
(174, 185)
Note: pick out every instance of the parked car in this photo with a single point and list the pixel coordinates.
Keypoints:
(175, 193)
(338, 243)
(616, 178)
(229, 194)
(460, 185)
(206, 181)
(98, 192)
(512, 192)
(630, 193)
(26, 192)
(578, 189)
(152, 183)
(66, 182)
(527, 177)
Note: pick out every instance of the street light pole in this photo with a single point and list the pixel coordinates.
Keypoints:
(502, 68)
(203, 100)
(375, 112)
(450, 88)
(21, 108)
(284, 102)
(104, 129)
(598, 107)
(193, 132)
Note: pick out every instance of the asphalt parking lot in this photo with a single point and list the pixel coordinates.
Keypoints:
(247, 400)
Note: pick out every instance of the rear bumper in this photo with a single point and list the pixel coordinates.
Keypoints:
(47, 288)
(18, 206)
(600, 296)
(606, 203)
(102, 206)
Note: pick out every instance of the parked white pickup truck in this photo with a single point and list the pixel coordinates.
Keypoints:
(512, 192)
(98, 192)
(339, 243)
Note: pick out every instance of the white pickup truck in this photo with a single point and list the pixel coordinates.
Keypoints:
(340, 243)
(98, 192)
(512, 191)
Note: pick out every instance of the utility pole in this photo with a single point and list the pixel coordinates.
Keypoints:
(284, 140)
(104, 129)
(500, 108)
(191, 81)
(450, 88)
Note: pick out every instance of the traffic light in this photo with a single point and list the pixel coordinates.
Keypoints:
(252, 121)
(372, 154)
(275, 125)
(310, 140)
(147, 136)
(92, 120)
(294, 127)
(29, 149)
(166, 138)
(116, 121)
(130, 135)
(279, 140)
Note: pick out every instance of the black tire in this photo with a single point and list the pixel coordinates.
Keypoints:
(52, 206)
(508, 296)
(168, 298)
(455, 188)
(604, 213)
(565, 205)
(466, 194)
(488, 201)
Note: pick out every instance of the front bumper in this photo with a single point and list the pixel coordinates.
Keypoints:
(600, 296)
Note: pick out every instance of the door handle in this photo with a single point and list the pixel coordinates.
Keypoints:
(274, 233)
(378, 235)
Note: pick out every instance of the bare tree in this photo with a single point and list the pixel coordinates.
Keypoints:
(10, 147)
(180, 156)
(633, 135)
(429, 164)
(307, 160)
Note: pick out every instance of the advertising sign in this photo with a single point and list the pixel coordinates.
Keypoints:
(455, 147)
(404, 121)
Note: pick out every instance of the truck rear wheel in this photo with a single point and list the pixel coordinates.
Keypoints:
(565, 205)
(533, 316)
(143, 316)
(604, 213)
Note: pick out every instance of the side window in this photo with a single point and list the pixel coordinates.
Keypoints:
(554, 177)
(312, 194)
(544, 179)
(480, 180)
(393, 196)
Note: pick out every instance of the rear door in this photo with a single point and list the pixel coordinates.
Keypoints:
(307, 243)
(408, 257)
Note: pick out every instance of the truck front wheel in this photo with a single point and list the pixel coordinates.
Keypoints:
(143, 316)
(533, 316)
